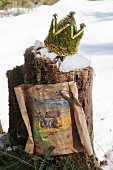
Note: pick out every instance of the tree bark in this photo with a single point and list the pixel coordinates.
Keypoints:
(17, 130)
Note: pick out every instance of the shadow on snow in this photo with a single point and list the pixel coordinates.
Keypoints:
(101, 16)
(95, 49)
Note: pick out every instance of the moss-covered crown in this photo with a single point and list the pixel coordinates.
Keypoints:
(63, 38)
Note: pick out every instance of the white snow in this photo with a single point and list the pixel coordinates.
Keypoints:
(74, 62)
(18, 33)
(38, 44)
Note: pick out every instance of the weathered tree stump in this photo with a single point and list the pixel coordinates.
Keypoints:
(42, 71)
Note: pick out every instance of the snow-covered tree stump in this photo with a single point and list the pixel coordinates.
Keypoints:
(42, 71)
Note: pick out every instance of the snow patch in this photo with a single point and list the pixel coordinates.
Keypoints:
(74, 62)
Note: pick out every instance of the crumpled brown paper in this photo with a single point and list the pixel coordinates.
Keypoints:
(71, 94)
(69, 91)
(20, 98)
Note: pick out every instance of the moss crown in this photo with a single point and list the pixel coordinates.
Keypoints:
(63, 37)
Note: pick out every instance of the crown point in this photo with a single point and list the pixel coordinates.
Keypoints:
(72, 13)
(55, 15)
(82, 25)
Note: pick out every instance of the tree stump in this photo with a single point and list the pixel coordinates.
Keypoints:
(41, 71)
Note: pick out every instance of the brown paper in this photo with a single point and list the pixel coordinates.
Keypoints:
(20, 98)
(72, 97)
(51, 120)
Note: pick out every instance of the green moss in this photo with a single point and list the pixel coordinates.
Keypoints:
(61, 39)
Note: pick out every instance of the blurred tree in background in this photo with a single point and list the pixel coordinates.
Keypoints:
(4, 4)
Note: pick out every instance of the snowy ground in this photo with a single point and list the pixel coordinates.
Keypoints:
(18, 33)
